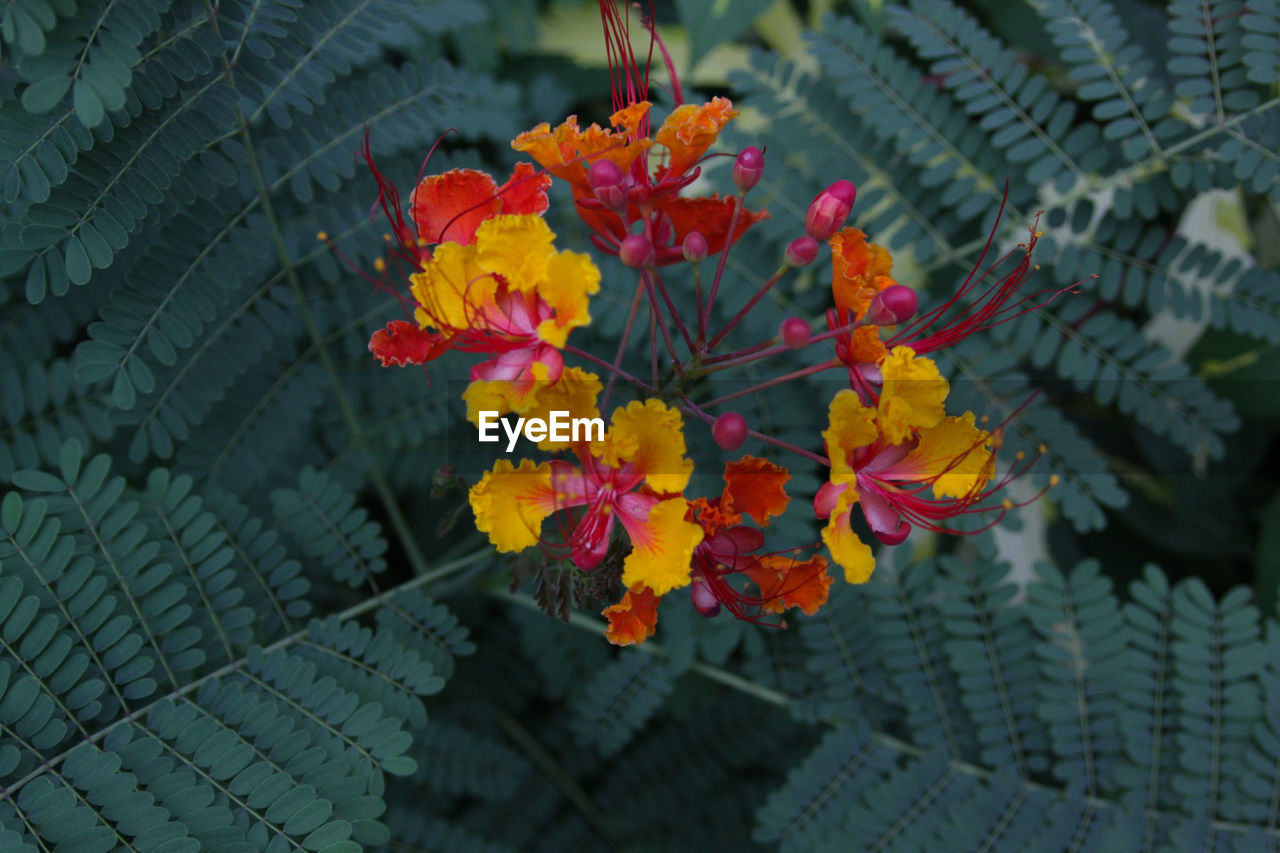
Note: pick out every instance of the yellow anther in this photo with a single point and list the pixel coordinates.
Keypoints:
(1042, 449)
(386, 238)
(322, 236)
(1039, 234)
(1019, 456)
(1053, 481)
(1006, 503)
(379, 264)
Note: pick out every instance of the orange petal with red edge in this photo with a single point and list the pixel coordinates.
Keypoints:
(709, 216)
(859, 270)
(755, 487)
(448, 208)
(633, 619)
(525, 191)
(402, 343)
(785, 582)
(691, 129)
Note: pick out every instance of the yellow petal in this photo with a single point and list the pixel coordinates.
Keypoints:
(912, 394)
(956, 453)
(451, 286)
(847, 550)
(571, 278)
(574, 392)
(511, 503)
(650, 435)
(851, 426)
(662, 551)
(518, 248)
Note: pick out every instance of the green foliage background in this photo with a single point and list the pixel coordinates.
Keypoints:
(238, 612)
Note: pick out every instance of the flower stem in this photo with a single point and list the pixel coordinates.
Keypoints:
(653, 276)
(614, 370)
(751, 303)
(777, 380)
(622, 344)
(724, 257)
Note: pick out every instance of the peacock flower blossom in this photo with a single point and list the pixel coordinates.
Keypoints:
(862, 270)
(651, 192)
(924, 475)
(506, 293)
(634, 476)
(753, 488)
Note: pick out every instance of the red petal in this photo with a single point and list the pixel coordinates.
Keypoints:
(525, 191)
(402, 343)
(710, 216)
(448, 208)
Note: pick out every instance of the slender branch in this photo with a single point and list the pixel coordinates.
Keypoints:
(751, 303)
(622, 343)
(777, 380)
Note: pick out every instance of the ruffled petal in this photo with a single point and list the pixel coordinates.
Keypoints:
(786, 582)
(865, 346)
(525, 191)
(575, 392)
(661, 547)
(954, 455)
(710, 216)
(851, 426)
(847, 550)
(511, 503)
(452, 287)
(449, 207)
(554, 150)
(634, 619)
(691, 129)
(571, 277)
(649, 435)
(518, 248)
(859, 269)
(402, 343)
(755, 487)
(912, 395)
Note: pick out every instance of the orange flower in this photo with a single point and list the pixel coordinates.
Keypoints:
(785, 582)
(651, 194)
(633, 619)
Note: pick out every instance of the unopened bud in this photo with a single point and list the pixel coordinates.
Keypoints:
(801, 251)
(605, 179)
(891, 306)
(636, 251)
(694, 247)
(829, 210)
(729, 430)
(794, 333)
(748, 168)
(704, 597)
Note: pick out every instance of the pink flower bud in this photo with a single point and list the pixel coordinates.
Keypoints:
(801, 251)
(794, 333)
(891, 306)
(636, 251)
(829, 210)
(748, 168)
(694, 247)
(729, 430)
(704, 597)
(606, 181)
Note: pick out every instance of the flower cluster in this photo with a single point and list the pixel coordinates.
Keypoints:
(486, 278)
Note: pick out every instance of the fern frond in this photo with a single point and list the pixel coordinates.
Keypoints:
(325, 523)
(459, 761)
(619, 700)
(843, 662)
(427, 626)
(1114, 72)
(1261, 40)
(1206, 36)
(1082, 652)
(992, 653)
(43, 408)
(819, 791)
(1026, 119)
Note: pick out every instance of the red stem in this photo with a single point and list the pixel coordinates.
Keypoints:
(751, 303)
(777, 380)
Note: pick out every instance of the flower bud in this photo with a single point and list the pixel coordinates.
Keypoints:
(729, 430)
(704, 597)
(748, 168)
(891, 306)
(636, 251)
(605, 179)
(794, 332)
(829, 210)
(801, 251)
(694, 247)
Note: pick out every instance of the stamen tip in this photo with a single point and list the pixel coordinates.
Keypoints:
(1007, 504)
(1054, 480)
(322, 236)
(1042, 449)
